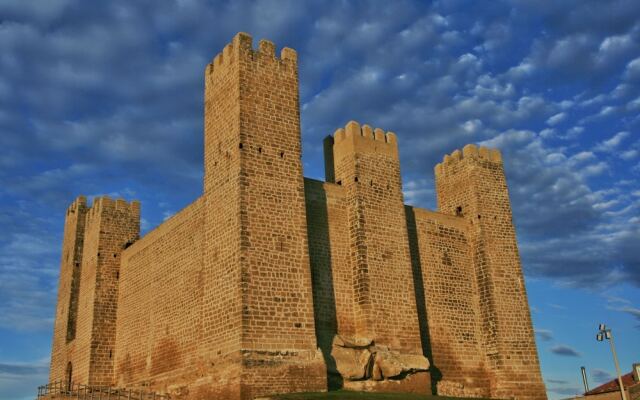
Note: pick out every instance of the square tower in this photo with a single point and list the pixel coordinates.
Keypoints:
(258, 307)
(85, 328)
(471, 185)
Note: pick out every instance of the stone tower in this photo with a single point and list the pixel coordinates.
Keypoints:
(367, 165)
(258, 280)
(84, 333)
(471, 184)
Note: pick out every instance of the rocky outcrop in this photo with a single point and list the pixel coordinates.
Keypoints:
(360, 359)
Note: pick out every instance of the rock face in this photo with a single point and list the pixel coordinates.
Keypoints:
(359, 359)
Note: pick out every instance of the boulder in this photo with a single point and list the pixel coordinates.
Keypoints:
(351, 364)
(376, 373)
(351, 342)
(414, 362)
(358, 358)
(390, 366)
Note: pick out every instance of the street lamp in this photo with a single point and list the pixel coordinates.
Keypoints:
(605, 333)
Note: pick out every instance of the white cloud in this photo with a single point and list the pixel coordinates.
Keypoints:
(581, 157)
(544, 334)
(606, 111)
(632, 71)
(614, 46)
(418, 191)
(19, 378)
(594, 169)
(634, 104)
(521, 70)
(612, 143)
(574, 132)
(629, 154)
(472, 126)
(469, 60)
(557, 118)
(547, 133)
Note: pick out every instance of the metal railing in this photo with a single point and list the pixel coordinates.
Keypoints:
(71, 390)
(634, 392)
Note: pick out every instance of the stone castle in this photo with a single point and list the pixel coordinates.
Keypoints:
(271, 282)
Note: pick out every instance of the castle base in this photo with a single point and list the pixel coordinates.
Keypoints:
(418, 382)
(261, 373)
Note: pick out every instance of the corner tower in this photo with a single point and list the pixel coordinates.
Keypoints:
(471, 184)
(258, 308)
(84, 335)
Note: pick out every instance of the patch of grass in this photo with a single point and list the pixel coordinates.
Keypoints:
(349, 395)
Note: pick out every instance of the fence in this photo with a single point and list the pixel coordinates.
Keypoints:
(634, 392)
(70, 390)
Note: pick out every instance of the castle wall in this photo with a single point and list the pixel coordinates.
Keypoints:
(160, 305)
(331, 267)
(443, 264)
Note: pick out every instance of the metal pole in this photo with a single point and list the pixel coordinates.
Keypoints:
(584, 379)
(615, 360)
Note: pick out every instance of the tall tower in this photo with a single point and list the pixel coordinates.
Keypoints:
(84, 335)
(471, 184)
(258, 308)
(367, 165)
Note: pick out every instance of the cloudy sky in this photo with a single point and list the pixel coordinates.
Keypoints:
(106, 98)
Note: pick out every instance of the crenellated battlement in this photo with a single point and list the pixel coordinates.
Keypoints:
(353, 129)
(242, 45)
(469, 153)
(365, 139)
(105, 204)
(79, 203)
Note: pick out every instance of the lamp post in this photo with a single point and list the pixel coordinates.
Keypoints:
(605, 333)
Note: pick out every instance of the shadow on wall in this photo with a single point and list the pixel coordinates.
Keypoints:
(418, 286)
(324, 301)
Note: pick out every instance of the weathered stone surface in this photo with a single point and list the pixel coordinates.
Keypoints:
(392, 364)
(360, 359)
(351, 364)
(389, 364)
(413, 362)
(357, 342)
(420, 382)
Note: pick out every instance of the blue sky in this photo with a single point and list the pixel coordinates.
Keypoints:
(106, 98)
